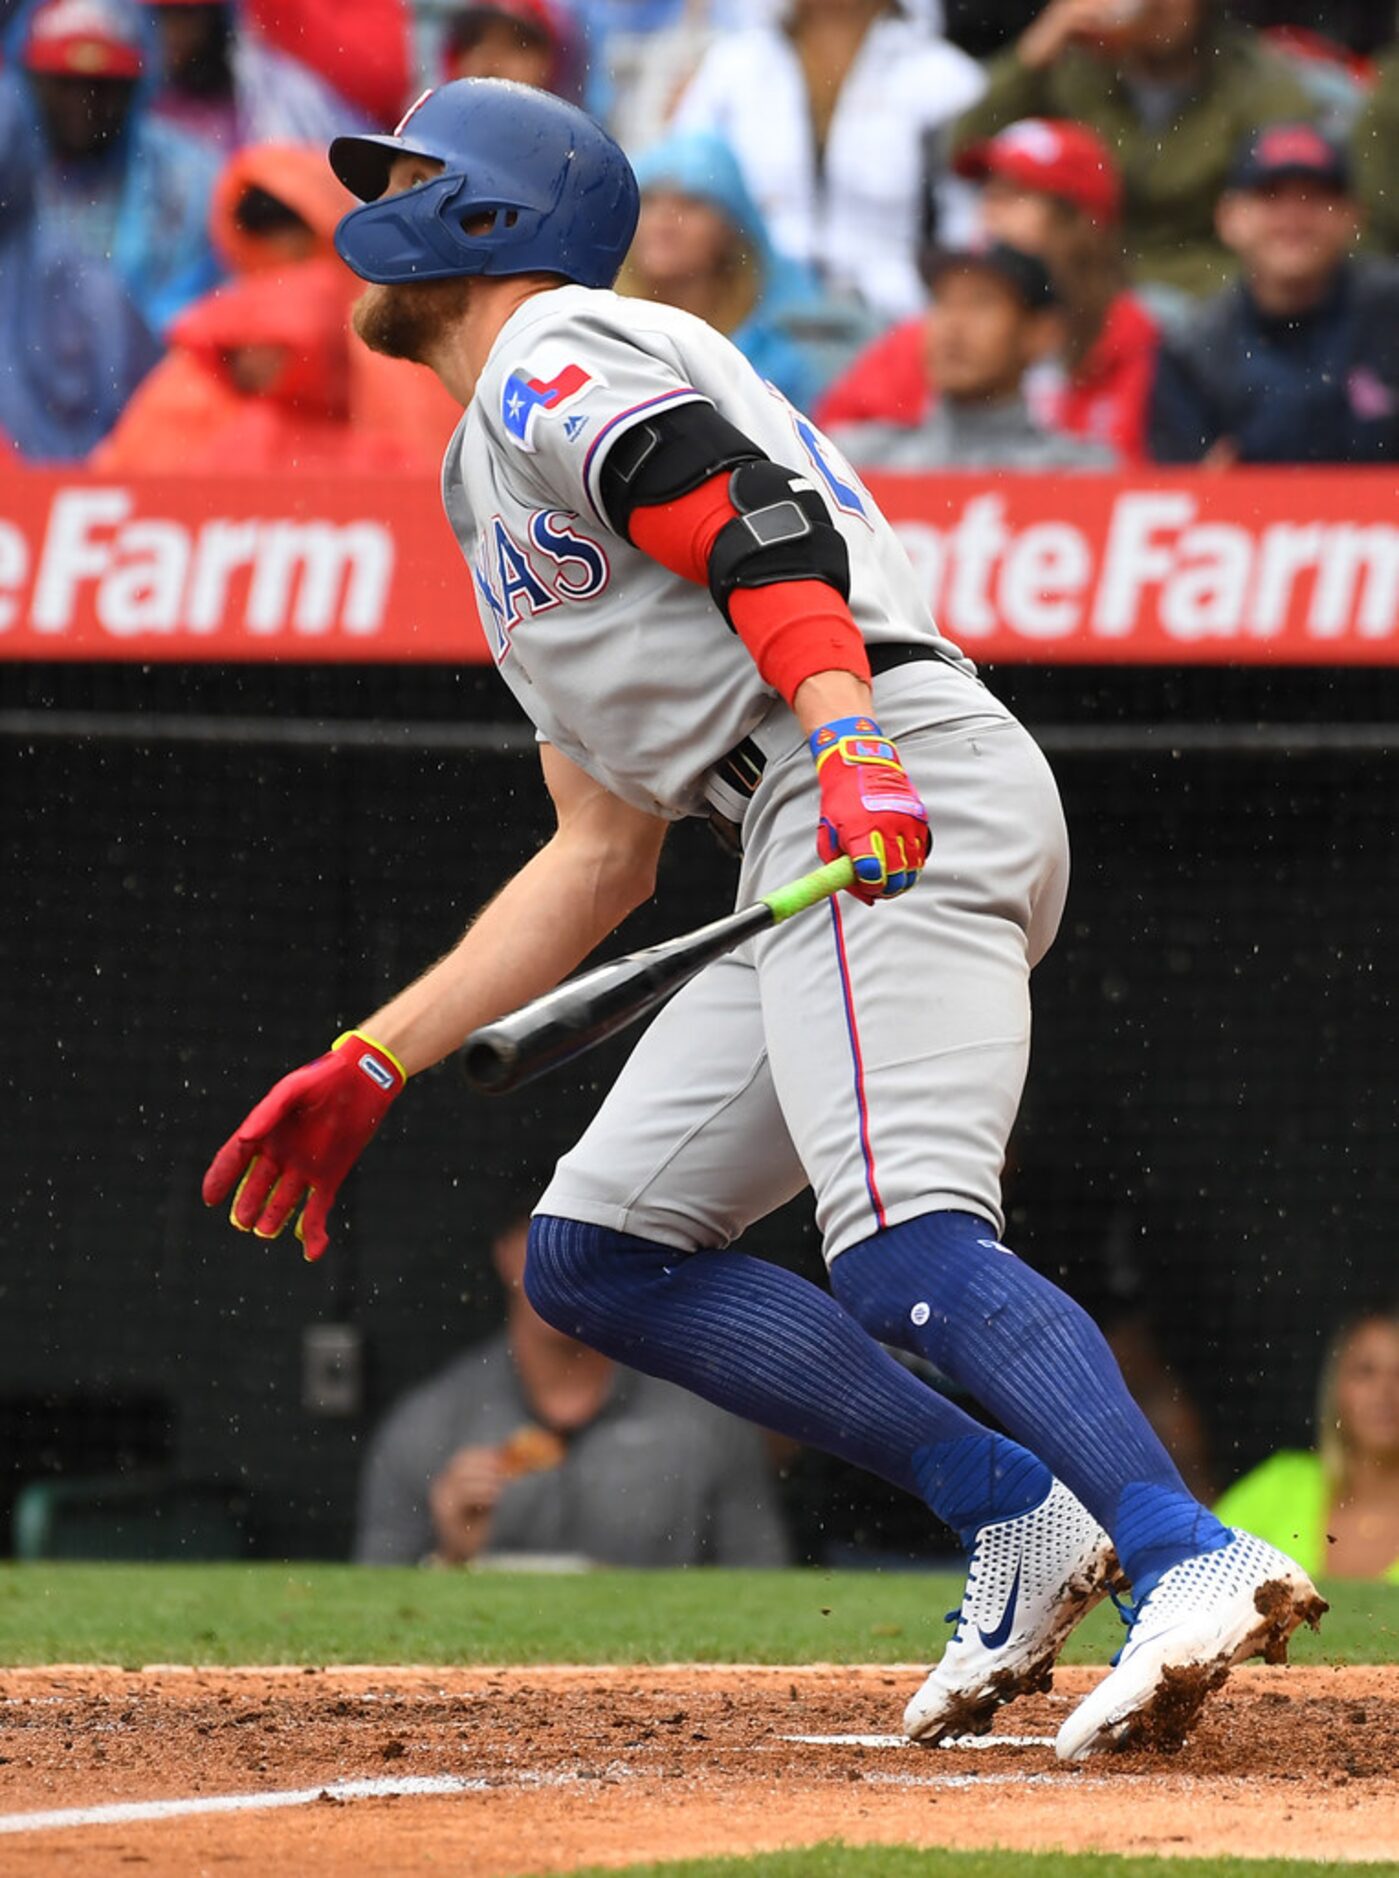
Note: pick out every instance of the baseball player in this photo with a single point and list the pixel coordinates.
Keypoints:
(702, 611)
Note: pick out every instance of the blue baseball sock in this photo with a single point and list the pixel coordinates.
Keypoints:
(942, 1285)
(765, 1344)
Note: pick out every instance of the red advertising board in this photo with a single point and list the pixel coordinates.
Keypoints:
(1284, 567)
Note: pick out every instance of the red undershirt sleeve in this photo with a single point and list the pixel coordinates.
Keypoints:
(792, 630)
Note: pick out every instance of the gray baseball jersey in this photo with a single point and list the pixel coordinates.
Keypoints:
(630, 671)
(876, 1053)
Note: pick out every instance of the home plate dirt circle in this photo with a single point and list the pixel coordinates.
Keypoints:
(506, 1772)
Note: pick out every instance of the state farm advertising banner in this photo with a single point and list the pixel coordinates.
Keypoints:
(1294, 567)
(303, 568)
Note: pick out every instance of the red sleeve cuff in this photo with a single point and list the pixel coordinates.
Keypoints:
(796, 629)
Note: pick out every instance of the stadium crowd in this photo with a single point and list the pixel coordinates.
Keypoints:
(1006, 234)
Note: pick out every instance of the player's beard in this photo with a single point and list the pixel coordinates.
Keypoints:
(409, 319)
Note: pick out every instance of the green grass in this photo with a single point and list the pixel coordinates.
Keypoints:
(833, 1860)
(133, 1614)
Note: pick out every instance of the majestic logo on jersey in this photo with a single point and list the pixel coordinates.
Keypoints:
(511, 584)
(526, 395)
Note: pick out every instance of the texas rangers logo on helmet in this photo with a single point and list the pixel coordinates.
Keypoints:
(526, 395)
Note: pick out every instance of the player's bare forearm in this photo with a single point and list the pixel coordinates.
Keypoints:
(541, 925)
(826, 696)
(598, 867)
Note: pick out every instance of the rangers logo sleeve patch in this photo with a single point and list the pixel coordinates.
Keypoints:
(526, 395)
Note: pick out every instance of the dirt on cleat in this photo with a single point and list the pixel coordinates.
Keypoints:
(1277, 1603)
(1164, 1726)
(977, 1716)
(1166, 1722)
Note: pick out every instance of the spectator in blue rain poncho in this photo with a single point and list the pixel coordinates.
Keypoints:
(701, 244)
(72, 346)
(114, 181)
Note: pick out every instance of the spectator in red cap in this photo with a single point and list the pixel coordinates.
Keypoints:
(992, 318)
(530, 41)
(1298, 362)
(1171, 86)
(115, 182)
(1053, 189)
(235, 72)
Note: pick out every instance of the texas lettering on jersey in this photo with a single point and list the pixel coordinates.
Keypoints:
(510, 578)
(529, 394)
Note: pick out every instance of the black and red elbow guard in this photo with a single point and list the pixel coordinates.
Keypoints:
(691, 491)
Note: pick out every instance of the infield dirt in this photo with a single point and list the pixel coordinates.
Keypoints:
(611, 1766)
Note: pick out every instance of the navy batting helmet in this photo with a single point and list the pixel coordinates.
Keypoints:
(560, 194)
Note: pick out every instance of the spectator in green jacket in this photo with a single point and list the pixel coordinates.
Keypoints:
(1173, 88)
(1375, 154)
(1336, 1508)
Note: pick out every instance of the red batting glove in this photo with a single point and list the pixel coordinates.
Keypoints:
(303, 1138)
(869, 808)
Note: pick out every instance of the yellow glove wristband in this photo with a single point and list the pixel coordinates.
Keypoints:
(364, 1037)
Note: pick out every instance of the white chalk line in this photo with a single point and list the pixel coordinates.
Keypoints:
(959, 1742)
(140, 1812)
(136, 1812)
(144, 1812)
(945, 1781)
(409, 1677)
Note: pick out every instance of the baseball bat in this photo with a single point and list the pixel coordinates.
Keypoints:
(598, 1003)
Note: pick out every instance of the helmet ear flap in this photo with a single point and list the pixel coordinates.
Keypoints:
(412, 236)
(435, 231)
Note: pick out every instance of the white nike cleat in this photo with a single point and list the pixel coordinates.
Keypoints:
(1029, 1581)
(1199, 1619)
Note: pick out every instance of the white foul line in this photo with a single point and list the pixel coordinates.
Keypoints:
(848, 1741)
(959, 1742)
(137, 1811)
(1064, 1779)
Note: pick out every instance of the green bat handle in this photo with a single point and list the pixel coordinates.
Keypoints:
(785, 902)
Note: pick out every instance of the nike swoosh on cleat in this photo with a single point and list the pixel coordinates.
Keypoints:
(993, 1639)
